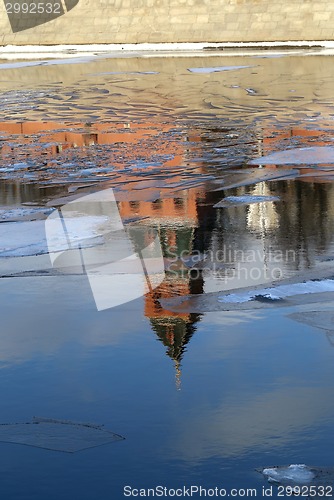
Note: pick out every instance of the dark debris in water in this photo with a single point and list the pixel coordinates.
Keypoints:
(266, 298)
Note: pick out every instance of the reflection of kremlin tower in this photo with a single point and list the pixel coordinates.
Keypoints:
(176, 220)
(174, 332)
(173, 329)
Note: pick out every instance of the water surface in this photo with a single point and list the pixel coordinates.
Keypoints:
(202, 398)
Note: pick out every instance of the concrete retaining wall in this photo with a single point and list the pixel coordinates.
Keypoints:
(158, 21)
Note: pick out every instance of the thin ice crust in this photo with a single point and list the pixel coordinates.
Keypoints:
(57, 435)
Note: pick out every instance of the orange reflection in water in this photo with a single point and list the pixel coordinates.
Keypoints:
(61, 137)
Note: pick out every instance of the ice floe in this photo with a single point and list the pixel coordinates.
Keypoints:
(298, 156)
(324, 320)
(244, 200)
(217, 69)
(25, 64)
(250, 176)
(28, 238)
(251, 91)
(279, 292)
(126, 73)
(300, 478)
(57, 435)
(311, 286)
(20, 213)
(295, 473)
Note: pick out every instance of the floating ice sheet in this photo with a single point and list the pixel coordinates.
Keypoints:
(298, 476)
(24, 64)
(57, 435)
(319, 319)
(254, 176)
(125, 73)
(9, 214)
(298, 156)
(230, 201)
(279, 292)
(295, 473)
(28, 238)
(217, 69)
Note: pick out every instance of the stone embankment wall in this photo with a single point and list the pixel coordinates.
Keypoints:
(49, 22)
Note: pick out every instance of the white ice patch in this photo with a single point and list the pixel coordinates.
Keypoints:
(296, 473)
(279, 292)
(15, 166)
(17, 212)
(71, 60)
(244, 200)
(217, 69)
(19, 239)
(249, 176)
(298, 156)
(126, 73)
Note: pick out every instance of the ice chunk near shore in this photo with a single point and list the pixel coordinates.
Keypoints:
(217, 69)
(293, 474)
(298, 156)
(279, 292)
(57, 435)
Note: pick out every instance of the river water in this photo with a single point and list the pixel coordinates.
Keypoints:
(212, 374)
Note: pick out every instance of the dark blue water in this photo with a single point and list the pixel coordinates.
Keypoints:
(254, 390)
(202, 399)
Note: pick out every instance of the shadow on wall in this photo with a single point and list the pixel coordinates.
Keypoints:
(25, 14)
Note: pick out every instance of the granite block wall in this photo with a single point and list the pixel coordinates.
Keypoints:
(49, 22)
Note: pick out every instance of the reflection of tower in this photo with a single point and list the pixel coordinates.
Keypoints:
(173, 330)
(175, 219)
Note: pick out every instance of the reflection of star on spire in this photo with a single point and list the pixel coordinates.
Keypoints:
(178, 374)
(175, 334)
(173, 330)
